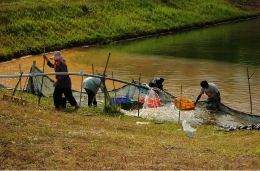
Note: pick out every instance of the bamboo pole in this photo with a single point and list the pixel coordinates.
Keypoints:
(248, 78)
(32, 74)
(40, 93)
(104, 79)
(80, 90)
(139, 93)
(114, 87)
(180, 106)
(25, 83)
(21, 91)
(17, 85)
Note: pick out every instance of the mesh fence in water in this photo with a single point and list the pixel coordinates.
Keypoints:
(167, 111)
(43, 85)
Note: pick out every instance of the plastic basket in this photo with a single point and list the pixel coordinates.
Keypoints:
(118, 101)
(131, 105)
(184, 104)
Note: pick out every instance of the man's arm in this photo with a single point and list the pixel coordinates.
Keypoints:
(51, 65)
(199, 96)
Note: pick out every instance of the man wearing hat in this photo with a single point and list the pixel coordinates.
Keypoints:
(63, 82)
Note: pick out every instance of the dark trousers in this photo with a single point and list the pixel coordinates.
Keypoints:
(212, 100)
(91, 97)
(57, 96)
(212, 103)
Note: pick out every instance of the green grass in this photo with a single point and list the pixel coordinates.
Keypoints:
(36, 136)
(26, 23)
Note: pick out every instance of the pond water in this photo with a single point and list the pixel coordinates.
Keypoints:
(220, 54)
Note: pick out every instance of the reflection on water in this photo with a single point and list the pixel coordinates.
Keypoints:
(219, 54)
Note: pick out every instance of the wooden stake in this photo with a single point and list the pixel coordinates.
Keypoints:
(180, 106)
(20, 77)
(80, 90)
(21, 91)
(104, 79)
(114, 87)
(248, 78)
(40, 92)
(139, 93)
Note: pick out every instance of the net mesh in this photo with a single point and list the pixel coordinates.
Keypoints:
(43, 85)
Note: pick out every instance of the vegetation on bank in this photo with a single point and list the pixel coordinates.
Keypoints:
(37, 137)
(27, 26)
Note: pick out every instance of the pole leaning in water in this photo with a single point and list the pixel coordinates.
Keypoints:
(248, 78)
(40, 93)
(180, 106)
(103, 81)
(139, 92)
(21, 91)
(114, 87)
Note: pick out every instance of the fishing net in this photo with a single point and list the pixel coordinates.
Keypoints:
(43, 85)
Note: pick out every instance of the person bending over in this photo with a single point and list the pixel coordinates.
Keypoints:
(157, 82)
(211, 90)
(91, 86)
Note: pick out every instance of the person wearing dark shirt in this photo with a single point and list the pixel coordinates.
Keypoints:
(63, 82)
(156, 82)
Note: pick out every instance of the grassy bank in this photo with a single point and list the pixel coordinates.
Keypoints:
(25, 24)
(36, 137)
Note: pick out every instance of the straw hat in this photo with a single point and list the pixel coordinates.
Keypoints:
(57, 55)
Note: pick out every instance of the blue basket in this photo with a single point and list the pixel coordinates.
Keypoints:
(118, 101)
